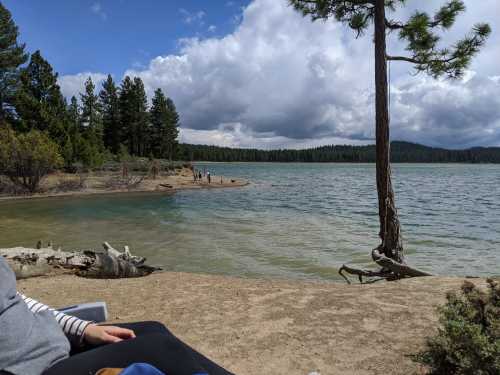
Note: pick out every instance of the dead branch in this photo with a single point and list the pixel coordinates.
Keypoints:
(360, 273)
(111, 263)
(390, 269)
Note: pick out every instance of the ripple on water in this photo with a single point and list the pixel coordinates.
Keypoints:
(294, 220)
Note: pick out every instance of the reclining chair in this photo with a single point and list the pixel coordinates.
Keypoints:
(93, 311)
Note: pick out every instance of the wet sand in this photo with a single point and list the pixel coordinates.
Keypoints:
(260, 327)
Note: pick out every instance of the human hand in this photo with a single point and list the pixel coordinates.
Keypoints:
(98, 335)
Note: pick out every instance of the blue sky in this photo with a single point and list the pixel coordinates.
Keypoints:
(255, 73)
(114, 35)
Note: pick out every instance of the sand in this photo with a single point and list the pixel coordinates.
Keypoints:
(260, 327)
(95, 183)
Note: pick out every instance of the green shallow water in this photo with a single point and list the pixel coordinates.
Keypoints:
(298, 221)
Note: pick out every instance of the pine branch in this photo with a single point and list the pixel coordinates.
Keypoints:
(393, 25)
(418, 32)
(357, 14)
(438, 62)
(444, 18)
(324, 9)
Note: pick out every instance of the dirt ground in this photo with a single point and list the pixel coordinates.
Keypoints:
(98, 183)
(260, 327)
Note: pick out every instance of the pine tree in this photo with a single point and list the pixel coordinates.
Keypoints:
(74, 137)
(74, 113)
(91, 126)
(159, 115)
(172, 129)
(125, 101)
(108, 99)
(422, 44)
(142, 127)
(39, 102)
(91, 119)
(12, 56)
(164, 123)
(134, 116)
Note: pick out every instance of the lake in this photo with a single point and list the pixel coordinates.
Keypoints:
(295, 221)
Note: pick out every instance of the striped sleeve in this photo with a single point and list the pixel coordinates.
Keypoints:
(71, 326)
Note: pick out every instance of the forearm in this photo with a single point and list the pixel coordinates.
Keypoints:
(71, 326)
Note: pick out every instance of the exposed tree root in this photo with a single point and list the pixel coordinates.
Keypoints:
(391, 270)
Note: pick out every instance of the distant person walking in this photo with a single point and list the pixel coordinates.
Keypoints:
(208, 177)
(199, 175)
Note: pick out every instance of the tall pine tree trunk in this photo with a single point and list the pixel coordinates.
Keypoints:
(389, 222)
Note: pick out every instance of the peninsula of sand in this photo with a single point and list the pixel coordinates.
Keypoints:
(256, 327)
(61, 184)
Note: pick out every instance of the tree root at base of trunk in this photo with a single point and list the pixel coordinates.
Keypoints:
(391, 270)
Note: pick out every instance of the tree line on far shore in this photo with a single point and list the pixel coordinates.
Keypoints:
(114, 122)
(401, 152)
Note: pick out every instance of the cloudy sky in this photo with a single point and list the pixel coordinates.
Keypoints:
(257, 74)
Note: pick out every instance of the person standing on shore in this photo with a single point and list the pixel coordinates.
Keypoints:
(208, 177)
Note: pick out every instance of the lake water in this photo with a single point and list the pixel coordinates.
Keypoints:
(298, 221)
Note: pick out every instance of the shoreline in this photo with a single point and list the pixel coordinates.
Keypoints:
(175, 183)
(263, 326)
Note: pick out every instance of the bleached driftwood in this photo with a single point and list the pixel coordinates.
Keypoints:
(391, 270)
(111, 263)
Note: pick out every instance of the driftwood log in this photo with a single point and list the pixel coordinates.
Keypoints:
(109, 264)
(390, 269)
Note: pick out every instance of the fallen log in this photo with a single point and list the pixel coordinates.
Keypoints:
(399, 269)
(110, 264)
(390, 269)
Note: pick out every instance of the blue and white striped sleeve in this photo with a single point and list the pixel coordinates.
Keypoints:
(71, 326)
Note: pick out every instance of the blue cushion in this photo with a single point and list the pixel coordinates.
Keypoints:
(141, 369)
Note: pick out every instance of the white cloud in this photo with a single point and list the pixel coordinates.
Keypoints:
(441, 113)
(212, 28)
(280, 75)
(193, 17)
(281, 80)
(267, 76)
(237, 135)
(236, 19)
(96, 8)
(73, 85)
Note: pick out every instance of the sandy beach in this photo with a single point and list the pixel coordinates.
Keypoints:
(257, 327)
(98, 183)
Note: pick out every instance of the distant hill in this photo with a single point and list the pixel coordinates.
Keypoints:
(401, 152)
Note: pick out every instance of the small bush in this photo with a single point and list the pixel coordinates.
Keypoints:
(143, 165)
(8, 188)
(76, 183)
(468, 341)
(27, 158)
(128, 182)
